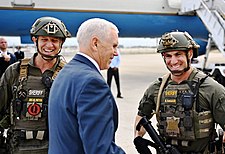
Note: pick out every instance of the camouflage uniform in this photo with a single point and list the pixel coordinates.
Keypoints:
(27, 122)
(24, 92)
(211, 98)
(186, 111)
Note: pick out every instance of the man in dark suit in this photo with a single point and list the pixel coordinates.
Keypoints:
(6, 58)
(83, 116)
(19, 54)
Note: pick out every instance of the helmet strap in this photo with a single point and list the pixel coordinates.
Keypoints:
(188, 63)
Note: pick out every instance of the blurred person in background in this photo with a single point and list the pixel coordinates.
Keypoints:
(113, 71)
(6, 58)
(19, 54)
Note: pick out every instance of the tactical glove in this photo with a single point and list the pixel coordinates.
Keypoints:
(142, 144)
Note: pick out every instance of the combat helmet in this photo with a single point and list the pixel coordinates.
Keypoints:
(49, 26)
(177, 41)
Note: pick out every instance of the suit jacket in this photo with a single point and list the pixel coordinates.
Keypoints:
(83, 115)
(4, 64)
(19, 55)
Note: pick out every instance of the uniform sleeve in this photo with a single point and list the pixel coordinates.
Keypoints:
(7, 82)
(215, 94)
(219, 106)
(148, 102)
(3, 95)
(95, 117)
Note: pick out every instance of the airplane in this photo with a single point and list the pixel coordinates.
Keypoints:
(133, 18)
(142, 18)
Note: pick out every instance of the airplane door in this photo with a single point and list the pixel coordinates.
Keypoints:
(22, 3)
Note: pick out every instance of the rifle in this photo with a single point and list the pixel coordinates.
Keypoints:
(163, 148)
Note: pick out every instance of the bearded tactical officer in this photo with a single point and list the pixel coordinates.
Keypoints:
(25, 86)
(187, 102)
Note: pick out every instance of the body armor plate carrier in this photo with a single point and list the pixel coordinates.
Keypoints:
(28, 111)
(178, 116)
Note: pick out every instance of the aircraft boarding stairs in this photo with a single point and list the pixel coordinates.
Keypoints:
(212, 14)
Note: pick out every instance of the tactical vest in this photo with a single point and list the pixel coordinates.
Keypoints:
(29, 110)
(179, 115)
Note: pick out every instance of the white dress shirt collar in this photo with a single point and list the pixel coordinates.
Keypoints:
(89, 58)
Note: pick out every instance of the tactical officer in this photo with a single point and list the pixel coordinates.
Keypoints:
(187, 102)
(24, 89)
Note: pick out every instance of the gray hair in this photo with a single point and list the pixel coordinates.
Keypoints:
(94, 27)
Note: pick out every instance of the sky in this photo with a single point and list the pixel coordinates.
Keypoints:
(126, 42)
